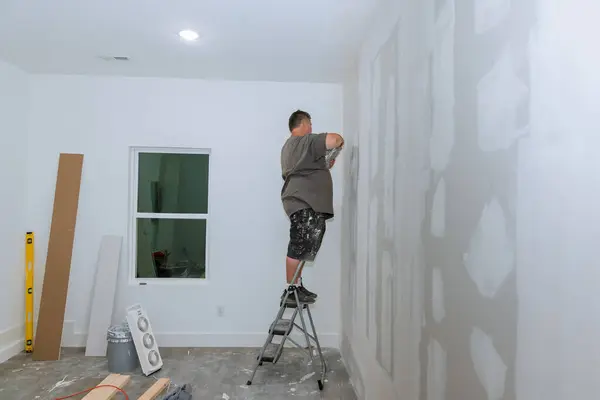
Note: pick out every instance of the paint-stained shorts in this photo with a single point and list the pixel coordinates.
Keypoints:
(307, 228)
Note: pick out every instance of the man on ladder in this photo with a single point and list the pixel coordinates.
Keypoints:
(307, 197)
(307, 192)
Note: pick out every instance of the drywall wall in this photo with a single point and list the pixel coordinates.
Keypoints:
(388, 122)
(470, 210)
(494, 279)
(244, 124)
(13, 167)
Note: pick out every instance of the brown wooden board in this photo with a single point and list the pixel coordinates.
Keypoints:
(155, 390)
(107, 393)
(58, 260)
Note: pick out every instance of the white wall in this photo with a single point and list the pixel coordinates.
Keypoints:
(244, 124)
(558, 215)
(13, 167)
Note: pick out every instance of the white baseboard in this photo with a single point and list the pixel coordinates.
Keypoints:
(192, 339)
(201, 339)
(12, 339)
(12, 342)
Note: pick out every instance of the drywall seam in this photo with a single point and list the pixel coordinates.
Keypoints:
(372, 270)
(437, 288)
(499, 94)
(389, 151)
(352, 206)
(489, 14)
(362, 234)
(438, 212)
(436, 371)
(442, 140)
(374, 116)
(387, 317)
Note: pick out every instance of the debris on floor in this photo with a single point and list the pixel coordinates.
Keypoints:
(61, 383)
(208, 373)
(305, 377)
(181, 393)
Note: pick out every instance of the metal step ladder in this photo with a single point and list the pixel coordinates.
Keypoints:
(283, 327)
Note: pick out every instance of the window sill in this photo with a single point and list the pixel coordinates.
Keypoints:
(169, 282)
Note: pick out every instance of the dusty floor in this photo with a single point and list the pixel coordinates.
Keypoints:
(213, 374)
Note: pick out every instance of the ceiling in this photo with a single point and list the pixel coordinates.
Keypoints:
(276, 40)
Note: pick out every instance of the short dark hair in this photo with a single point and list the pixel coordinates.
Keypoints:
(296, 119)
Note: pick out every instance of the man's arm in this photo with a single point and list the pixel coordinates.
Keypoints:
(323, 144)
(333, 141)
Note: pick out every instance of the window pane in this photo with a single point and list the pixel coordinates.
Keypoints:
(171, 248)
(173, 183)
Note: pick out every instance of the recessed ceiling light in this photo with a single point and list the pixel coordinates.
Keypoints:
(188, 35)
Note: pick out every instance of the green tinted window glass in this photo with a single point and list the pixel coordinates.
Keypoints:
(173, 183)
(171, 248)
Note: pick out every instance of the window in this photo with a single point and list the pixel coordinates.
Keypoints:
(170, 213)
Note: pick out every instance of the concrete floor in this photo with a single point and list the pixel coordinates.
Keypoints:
(213, 374)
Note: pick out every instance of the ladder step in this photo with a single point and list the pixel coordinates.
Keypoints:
(270, 352)
(282, 327)
(291, 303)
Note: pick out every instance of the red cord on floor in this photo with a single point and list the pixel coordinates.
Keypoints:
(92, 388)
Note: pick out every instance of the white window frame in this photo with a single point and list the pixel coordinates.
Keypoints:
(134, 152)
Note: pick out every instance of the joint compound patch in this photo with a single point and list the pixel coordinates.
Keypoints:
(491, 253)
(488, 364)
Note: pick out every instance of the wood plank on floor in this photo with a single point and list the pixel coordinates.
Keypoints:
(103, 299)
(107, 393)
(58, 260)
(155, 390)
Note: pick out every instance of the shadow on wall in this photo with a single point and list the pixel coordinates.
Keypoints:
(430, 201)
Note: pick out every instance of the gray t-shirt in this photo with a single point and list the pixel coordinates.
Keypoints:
(306, 174)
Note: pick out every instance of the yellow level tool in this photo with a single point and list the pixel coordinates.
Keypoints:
(29, 292)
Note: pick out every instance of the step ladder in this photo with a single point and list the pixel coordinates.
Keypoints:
(283, 327)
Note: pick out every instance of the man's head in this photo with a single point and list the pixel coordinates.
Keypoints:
(300, 123)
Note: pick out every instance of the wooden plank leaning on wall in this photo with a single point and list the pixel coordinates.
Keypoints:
(58, 261)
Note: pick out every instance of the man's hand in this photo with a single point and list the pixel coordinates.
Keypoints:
(331, 155)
